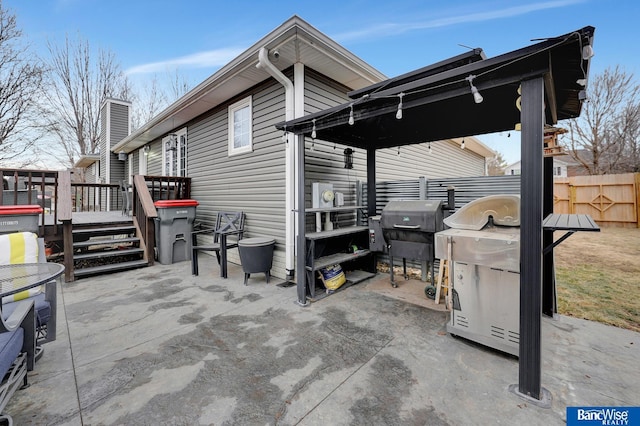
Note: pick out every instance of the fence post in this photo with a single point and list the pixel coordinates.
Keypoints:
(637, 184)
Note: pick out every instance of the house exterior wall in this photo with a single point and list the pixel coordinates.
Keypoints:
(445, 160)
(253, 182)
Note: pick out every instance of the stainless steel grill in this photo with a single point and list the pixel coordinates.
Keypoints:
(408, 228)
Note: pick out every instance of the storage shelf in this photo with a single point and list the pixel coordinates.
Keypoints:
(334, 209)
(336, 232)
(323, 262)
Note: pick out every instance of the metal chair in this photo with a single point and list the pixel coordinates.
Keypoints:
(126, 198)
(228, 224)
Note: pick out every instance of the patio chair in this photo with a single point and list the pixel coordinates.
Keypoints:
(228, 224)
(17, 352)
(26, 247)
(126, 198)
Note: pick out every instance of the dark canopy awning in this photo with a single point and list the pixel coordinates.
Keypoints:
(437, 102)
(465, 96)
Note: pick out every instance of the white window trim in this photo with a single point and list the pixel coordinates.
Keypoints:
(246, 102)
(178, 133)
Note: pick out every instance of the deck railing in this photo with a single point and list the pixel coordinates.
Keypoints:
(168, 187)
(27, 187)
(93, 197)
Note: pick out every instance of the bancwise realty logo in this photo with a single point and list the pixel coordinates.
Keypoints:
(608, 416)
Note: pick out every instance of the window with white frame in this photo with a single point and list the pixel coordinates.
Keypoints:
(174, 154)
(240, 127)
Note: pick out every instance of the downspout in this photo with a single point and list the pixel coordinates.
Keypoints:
(289, 95)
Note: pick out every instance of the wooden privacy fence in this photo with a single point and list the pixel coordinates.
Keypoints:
(611, 200)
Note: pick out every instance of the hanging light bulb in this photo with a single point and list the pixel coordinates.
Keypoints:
(313, 131)
(351, 120)
(284, 137)
(462, 144)
(477, 97)
(398, 150)
(429, 148)
(399, 113)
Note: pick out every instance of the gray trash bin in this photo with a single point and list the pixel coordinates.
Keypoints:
(19, 218)
(173, 229)
(256, 255)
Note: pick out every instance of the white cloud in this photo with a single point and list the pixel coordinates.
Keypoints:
(207, 59)
(391, 28)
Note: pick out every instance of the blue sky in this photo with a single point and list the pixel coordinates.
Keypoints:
(198, 37)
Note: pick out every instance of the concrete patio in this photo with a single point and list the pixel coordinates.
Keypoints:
(159, 346)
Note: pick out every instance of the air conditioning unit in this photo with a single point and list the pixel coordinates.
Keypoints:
(322, 195)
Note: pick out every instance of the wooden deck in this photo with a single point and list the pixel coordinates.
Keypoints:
(85, 218)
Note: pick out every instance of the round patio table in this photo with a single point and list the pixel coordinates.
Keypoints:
(19, 277)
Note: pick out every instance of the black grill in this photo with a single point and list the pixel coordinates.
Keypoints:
(408, 228)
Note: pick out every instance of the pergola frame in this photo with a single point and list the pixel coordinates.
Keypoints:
(437, 104)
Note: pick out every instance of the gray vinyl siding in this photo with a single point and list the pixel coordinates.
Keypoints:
(253, 182)
(446, 160)
(324, 162)
(119, 123)
(104, 150)
(154, 159)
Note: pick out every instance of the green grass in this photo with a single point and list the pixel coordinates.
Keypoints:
(598, 277)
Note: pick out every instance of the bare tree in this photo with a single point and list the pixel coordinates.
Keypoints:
(179, 85)
(601, 138)
(150, 100)
(82, 80)
(21, 78)
(496, 165)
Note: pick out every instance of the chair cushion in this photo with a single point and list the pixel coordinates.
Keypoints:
(16, 248)
(10, 347)
(42, 308)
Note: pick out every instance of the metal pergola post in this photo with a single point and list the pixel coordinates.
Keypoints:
(532, 117)
(549, 306)
(301, 247)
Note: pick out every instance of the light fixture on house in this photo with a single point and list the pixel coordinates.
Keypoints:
(313, 131)
(429, 148)
(348, 158)
(146, 149)
(462, 144)
(477, 97)
(122, 156)
(351, 120)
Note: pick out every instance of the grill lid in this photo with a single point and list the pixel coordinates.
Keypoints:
(412, 216)
(505, 210)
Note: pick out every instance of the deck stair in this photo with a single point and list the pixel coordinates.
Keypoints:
(100, 248)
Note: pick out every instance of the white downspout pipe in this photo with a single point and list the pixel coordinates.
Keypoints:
(289, 95)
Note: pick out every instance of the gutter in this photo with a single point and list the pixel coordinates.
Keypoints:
(289, 92)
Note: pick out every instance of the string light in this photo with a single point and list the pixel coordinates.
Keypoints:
(398, 150)
(284, 135)
(462, 144)
(313, 131)
(429, 148)
(351, 120)
(399, 113)
(477, 97)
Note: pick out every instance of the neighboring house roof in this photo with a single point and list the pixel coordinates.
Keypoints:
(86, 160)
(295, 40)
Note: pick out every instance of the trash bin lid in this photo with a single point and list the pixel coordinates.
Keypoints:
(256, 242)
(163, 204)
(18, 210)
